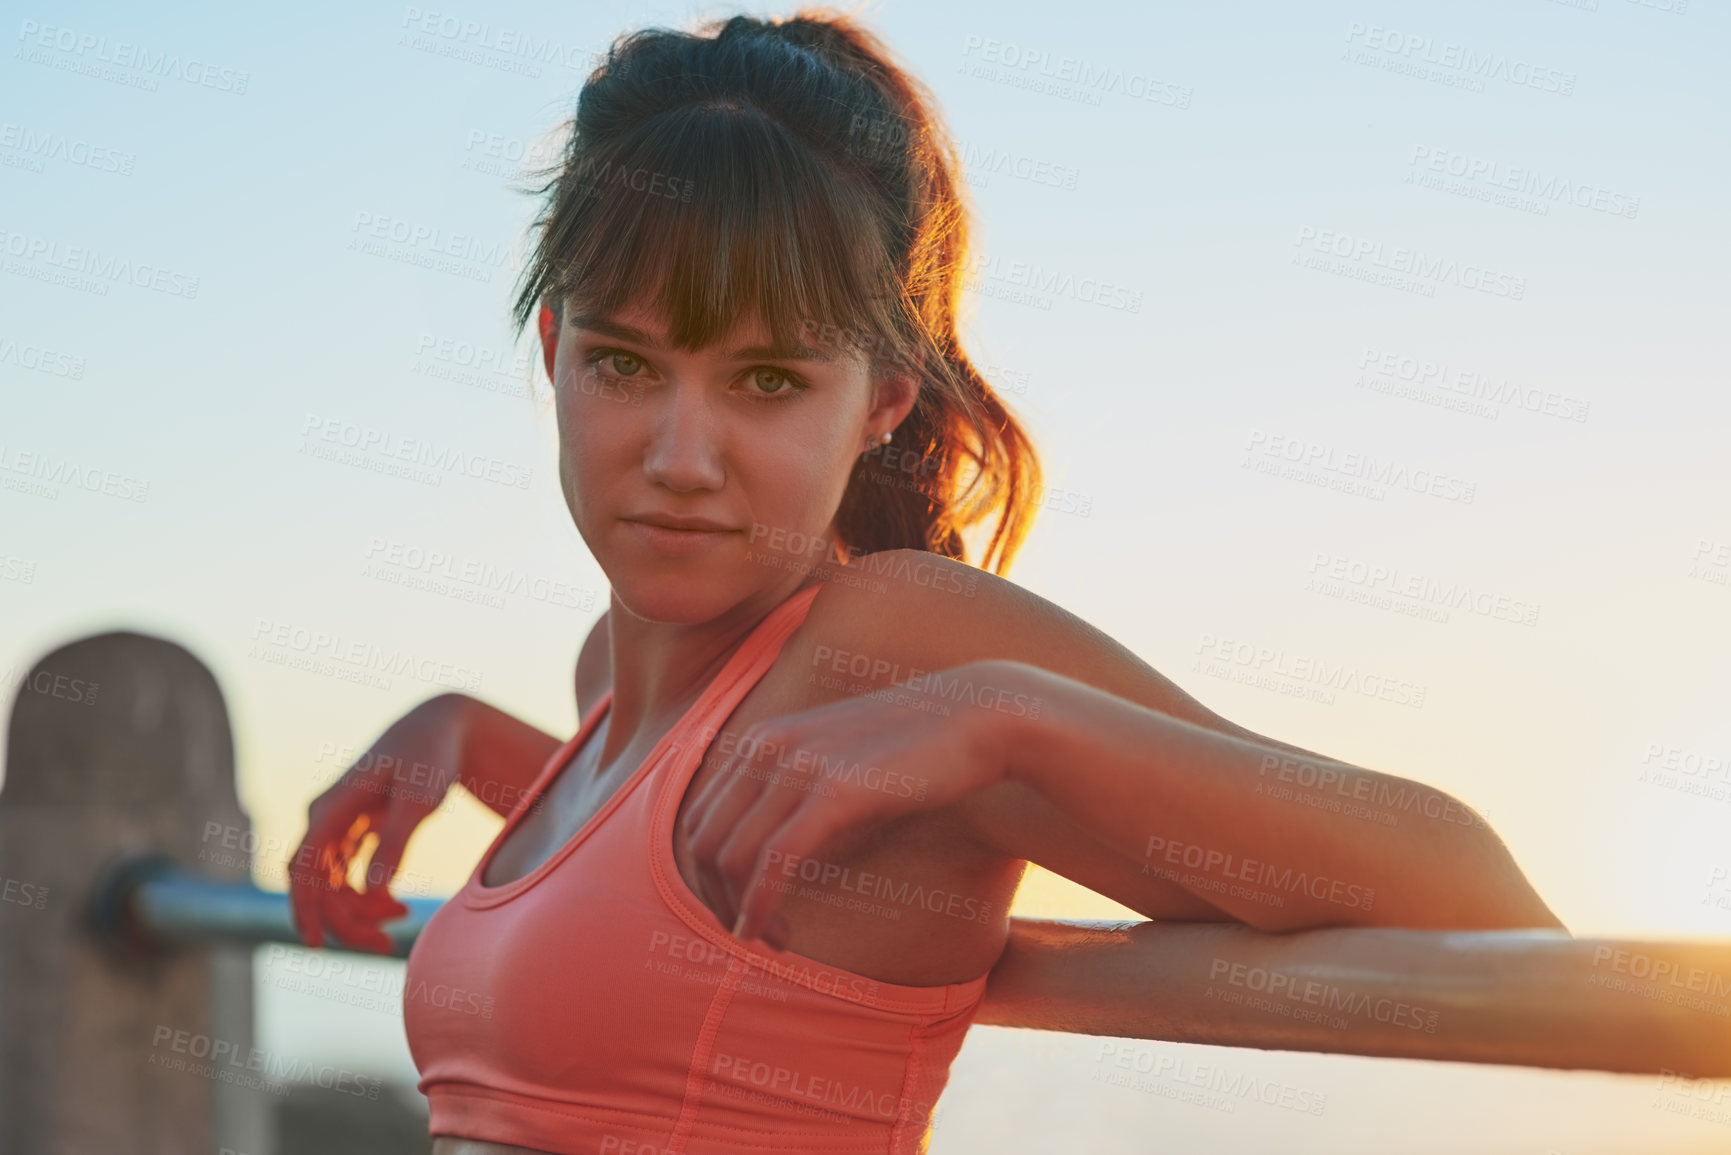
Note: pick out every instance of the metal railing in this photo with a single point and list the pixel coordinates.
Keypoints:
(150, 903)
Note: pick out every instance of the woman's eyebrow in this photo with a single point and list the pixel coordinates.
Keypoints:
(621, 331)
(782, 353)
(615, 329)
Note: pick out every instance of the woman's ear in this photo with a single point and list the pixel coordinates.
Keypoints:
(549, 338)
(894, 393)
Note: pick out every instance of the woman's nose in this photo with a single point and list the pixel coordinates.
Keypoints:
(684, 450)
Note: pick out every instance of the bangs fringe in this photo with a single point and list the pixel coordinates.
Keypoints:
(713, 215)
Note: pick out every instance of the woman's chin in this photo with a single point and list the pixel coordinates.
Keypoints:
(675, 593)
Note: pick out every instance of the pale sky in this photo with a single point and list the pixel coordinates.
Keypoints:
(1418, 368)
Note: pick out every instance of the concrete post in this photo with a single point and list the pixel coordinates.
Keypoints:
(119, 745)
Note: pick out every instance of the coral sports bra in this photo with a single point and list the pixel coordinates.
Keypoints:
(596, 1004)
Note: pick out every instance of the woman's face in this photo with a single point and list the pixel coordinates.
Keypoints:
(757, 443)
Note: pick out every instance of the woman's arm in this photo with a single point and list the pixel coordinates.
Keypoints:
(1279, 841)
(500, 755)
(404, 776)
(385, 796)
(906, 613)
(1533, 998)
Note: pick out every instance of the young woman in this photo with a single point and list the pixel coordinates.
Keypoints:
(752, 904)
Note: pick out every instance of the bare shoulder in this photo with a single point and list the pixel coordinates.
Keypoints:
(906, 612)
(903, 614)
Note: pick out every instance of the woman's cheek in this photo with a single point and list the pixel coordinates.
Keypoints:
(585, 445)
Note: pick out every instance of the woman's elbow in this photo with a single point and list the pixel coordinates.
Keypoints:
(1508, 900)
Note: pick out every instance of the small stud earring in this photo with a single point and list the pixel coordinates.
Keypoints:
(885, 439)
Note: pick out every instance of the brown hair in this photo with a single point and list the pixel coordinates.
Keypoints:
(789, 170)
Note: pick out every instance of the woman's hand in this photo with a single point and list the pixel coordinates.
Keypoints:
(794, 782)
(402, 778)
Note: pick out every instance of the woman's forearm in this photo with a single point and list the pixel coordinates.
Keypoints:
(1279, 840)
(499, 755)
(1533, 998)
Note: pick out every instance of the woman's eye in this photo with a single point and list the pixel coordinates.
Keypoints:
(624, 364)
(767, 382)
(616, 361)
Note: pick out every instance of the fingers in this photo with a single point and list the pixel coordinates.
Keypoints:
(382, 868)
(341, 912)
(778, 933)
(804, 829)
(710, 892)
(725, 781)
(728, 795)
(739, 860)
(350, 847)
(321, 901)
(303, 903)
(349, 923)
(306, 868)
(727, 829)
(310, 872)
(377, 905)
(341, 822)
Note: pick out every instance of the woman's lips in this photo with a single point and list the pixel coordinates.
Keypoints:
(677, 542)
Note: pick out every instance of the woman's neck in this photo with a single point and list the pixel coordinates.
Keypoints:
(660, 668)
